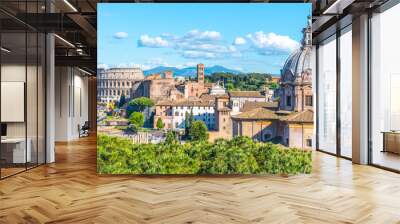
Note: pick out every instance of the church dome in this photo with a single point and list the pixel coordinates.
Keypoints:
(298, 62)
(217, 90)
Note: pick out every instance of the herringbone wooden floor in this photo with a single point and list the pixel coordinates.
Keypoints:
(70, 191)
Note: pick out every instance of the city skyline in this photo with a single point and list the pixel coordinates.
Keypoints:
(146, 39)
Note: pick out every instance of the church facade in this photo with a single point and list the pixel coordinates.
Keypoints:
(291, 121)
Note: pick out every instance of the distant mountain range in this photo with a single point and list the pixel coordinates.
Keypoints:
(190, 71)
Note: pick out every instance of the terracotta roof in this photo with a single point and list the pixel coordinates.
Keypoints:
(208, 97)
(208, 84)
(224, 96)
(153, 76)
(186, 103)
(248, 105)
(164, 103)
(306, 116)
(254, 94)
(225, 109)
(257, 114)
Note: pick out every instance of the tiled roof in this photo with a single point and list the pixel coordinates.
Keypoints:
(224, 96)
(263, 113)
(248, 105)
(257, 114)
(186, 103)
(306, 116)
(207, 97)
(225, 109)
(254, 94)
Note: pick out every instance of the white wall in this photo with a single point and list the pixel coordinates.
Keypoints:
(385, 74)
(12, 73)
(199, 112)
(71, 102)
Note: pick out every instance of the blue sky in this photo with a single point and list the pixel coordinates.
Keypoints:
(248, 37)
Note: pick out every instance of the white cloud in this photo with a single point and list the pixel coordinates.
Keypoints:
(120, 35)
(271, 42)
(147, 41)
(153, 63)
(206, 47)
(203, 35)
(239, 41)
(198, 54)
(209, 44)
(193, 44)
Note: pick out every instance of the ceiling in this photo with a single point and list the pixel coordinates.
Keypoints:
(75, 22)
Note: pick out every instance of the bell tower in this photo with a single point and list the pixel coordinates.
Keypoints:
(223, 122)
(200, 73)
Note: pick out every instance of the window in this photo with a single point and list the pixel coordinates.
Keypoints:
(176, 113)
(309, 142)
(289, 101)
(309, 100)
(22, 65)
(327, 95)
(267, 136)
(346, 93)
(385, 88)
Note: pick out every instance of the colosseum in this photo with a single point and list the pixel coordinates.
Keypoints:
(115, 82)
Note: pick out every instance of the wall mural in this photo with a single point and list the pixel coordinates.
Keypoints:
(197, 89)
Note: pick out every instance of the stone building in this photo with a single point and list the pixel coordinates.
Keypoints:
(238, 98)
(214, 111)
(223, 121)
(158, 88)
(296, 78)
(166, 87)
(173, 113)
(114, 82)
(291, 122)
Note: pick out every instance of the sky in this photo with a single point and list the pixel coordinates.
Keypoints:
(253, 37)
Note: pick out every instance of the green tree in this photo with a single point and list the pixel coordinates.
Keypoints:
(137, 119)
(191, 118)
(230, 86)
(122, 101)
(171, 138)
(187, 123)
(141, 103)
(274, 86)
(160, 124)
(198, 131)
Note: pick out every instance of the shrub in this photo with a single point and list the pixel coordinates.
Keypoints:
(160, 125)
(141, 103)
(241, 155)
(198, 131)
(137, 119)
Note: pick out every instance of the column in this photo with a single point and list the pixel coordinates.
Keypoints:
(360, 90)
